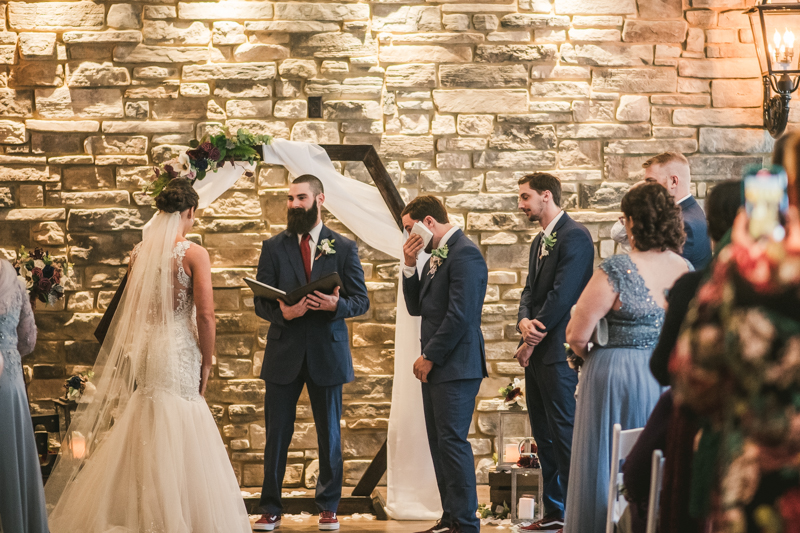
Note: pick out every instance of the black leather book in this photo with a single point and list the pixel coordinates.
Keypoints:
(325, 285)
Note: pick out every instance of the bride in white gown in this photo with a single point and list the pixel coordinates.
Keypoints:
(145, 455)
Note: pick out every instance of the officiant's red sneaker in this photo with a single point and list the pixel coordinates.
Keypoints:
(328, 521)
(267, 522)
(551, 522)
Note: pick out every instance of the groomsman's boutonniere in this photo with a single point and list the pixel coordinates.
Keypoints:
(325, 248)
(437, 258)
(548, 241)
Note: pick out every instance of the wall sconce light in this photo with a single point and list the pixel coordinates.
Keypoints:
(775, 25)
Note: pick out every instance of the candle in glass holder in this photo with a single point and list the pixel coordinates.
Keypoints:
(511, 453)
(78, 445)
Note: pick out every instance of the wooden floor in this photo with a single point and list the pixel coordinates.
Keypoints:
(348, 524)
(307, 524)
(359, 524)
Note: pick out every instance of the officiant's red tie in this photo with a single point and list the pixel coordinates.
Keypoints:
(305, 251)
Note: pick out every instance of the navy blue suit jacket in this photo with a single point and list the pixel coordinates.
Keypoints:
(697, 248)
(450, 304)
(318, 337)
(554, 284)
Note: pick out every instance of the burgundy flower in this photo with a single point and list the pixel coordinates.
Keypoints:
(57, 276)
(172, 172)
(37, 272)
(789, 505)
(38, 253)
(45, 285)
(197, 154)
(212, 152)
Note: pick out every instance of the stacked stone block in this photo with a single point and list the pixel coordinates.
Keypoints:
(460, 97)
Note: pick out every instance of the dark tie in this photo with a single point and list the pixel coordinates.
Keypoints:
(305, 251)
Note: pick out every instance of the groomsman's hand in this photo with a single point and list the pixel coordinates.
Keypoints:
(532, 331)
(290, 312)
(323, 302)
(523, 355)
(412, 248)
(422, 368)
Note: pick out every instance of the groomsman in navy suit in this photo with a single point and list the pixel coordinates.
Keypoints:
(671, 169)
(307, 344)
(559, 267)
(448, 295)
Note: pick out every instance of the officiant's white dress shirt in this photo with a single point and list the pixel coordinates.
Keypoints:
(314, 233)
(410, 271)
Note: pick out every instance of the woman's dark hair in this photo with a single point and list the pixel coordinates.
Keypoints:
(657, 220)
(177, 196)
(722, 205)
(423, 206)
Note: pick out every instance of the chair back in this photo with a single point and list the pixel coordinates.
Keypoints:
(656, 479)
(621, 444)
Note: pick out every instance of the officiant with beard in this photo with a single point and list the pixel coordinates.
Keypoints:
(307, 345)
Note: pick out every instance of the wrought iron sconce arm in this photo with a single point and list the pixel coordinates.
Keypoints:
(776, 108)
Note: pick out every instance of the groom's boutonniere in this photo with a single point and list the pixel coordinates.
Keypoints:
(548, 241)
(437, 258)
(325, 248)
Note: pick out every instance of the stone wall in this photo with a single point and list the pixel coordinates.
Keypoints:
(461, 97)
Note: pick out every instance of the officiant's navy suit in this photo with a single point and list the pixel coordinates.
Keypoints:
(311, 350)
(450, 302)
(553, 286)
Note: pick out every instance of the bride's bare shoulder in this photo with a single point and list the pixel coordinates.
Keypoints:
(196, 255)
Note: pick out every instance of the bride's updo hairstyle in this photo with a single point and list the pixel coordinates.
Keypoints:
(657, 220)
(177, 196)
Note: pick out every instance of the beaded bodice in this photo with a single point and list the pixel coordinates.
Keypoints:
(17, 330)
(637, 323)
(182, 374)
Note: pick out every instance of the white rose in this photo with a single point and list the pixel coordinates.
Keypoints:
(38, 263)
(89, 391)
(29, 284)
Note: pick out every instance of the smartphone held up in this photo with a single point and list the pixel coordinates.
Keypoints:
(766, 201)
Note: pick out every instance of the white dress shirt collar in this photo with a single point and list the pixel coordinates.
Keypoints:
(446, 236)
(552, 225)
(679, 202)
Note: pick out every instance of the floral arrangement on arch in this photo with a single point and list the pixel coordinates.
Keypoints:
(207, 155)
(41, 274)
(80, 387)
(737, 364)
(514, 393)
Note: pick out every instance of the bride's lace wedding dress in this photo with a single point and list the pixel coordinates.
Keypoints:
(162, 467)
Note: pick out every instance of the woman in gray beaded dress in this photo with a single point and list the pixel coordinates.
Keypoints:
(616, 386)
(22, 506)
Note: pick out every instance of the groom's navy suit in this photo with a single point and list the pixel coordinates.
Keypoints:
(450, 303)
(311, 350)
(553, 286)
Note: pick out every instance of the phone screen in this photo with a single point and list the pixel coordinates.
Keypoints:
(766, 201)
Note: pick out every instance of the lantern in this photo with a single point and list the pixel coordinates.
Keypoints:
(515, 426)
(776, 30)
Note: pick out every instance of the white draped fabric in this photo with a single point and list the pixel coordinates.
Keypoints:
(412, 491)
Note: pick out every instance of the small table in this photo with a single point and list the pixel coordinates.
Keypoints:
(518, 471)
